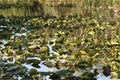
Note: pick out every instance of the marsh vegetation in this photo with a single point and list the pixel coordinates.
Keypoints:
(62, 40)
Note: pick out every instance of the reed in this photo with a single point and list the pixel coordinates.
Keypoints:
(82, 7)
(16, 1)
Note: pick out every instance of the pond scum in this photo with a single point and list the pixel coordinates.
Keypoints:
(84, 46)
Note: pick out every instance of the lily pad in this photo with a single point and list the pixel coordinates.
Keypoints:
(13, 44)
(33, 72)
(34, 62)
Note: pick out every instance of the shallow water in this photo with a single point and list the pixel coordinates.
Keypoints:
(43, 68)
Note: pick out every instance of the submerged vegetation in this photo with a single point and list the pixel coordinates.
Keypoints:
(65, 46)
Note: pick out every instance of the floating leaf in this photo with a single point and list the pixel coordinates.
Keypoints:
(91, 33)
(13, 44)
(33, 72)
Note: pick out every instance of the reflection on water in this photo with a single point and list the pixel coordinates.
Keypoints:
(37, 11)
(22, 11)
(25, 8)
(41, 9)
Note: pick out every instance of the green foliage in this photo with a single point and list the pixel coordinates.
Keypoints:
(79, 42)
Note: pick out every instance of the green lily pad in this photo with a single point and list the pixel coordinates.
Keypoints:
(21, 71)
(33, 72)
(34, 62)
(14, 44)
(13, 68)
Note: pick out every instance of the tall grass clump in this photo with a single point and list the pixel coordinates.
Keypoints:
(88, 8)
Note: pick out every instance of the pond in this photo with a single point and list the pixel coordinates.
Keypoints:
(56, 8)
(65, 48)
